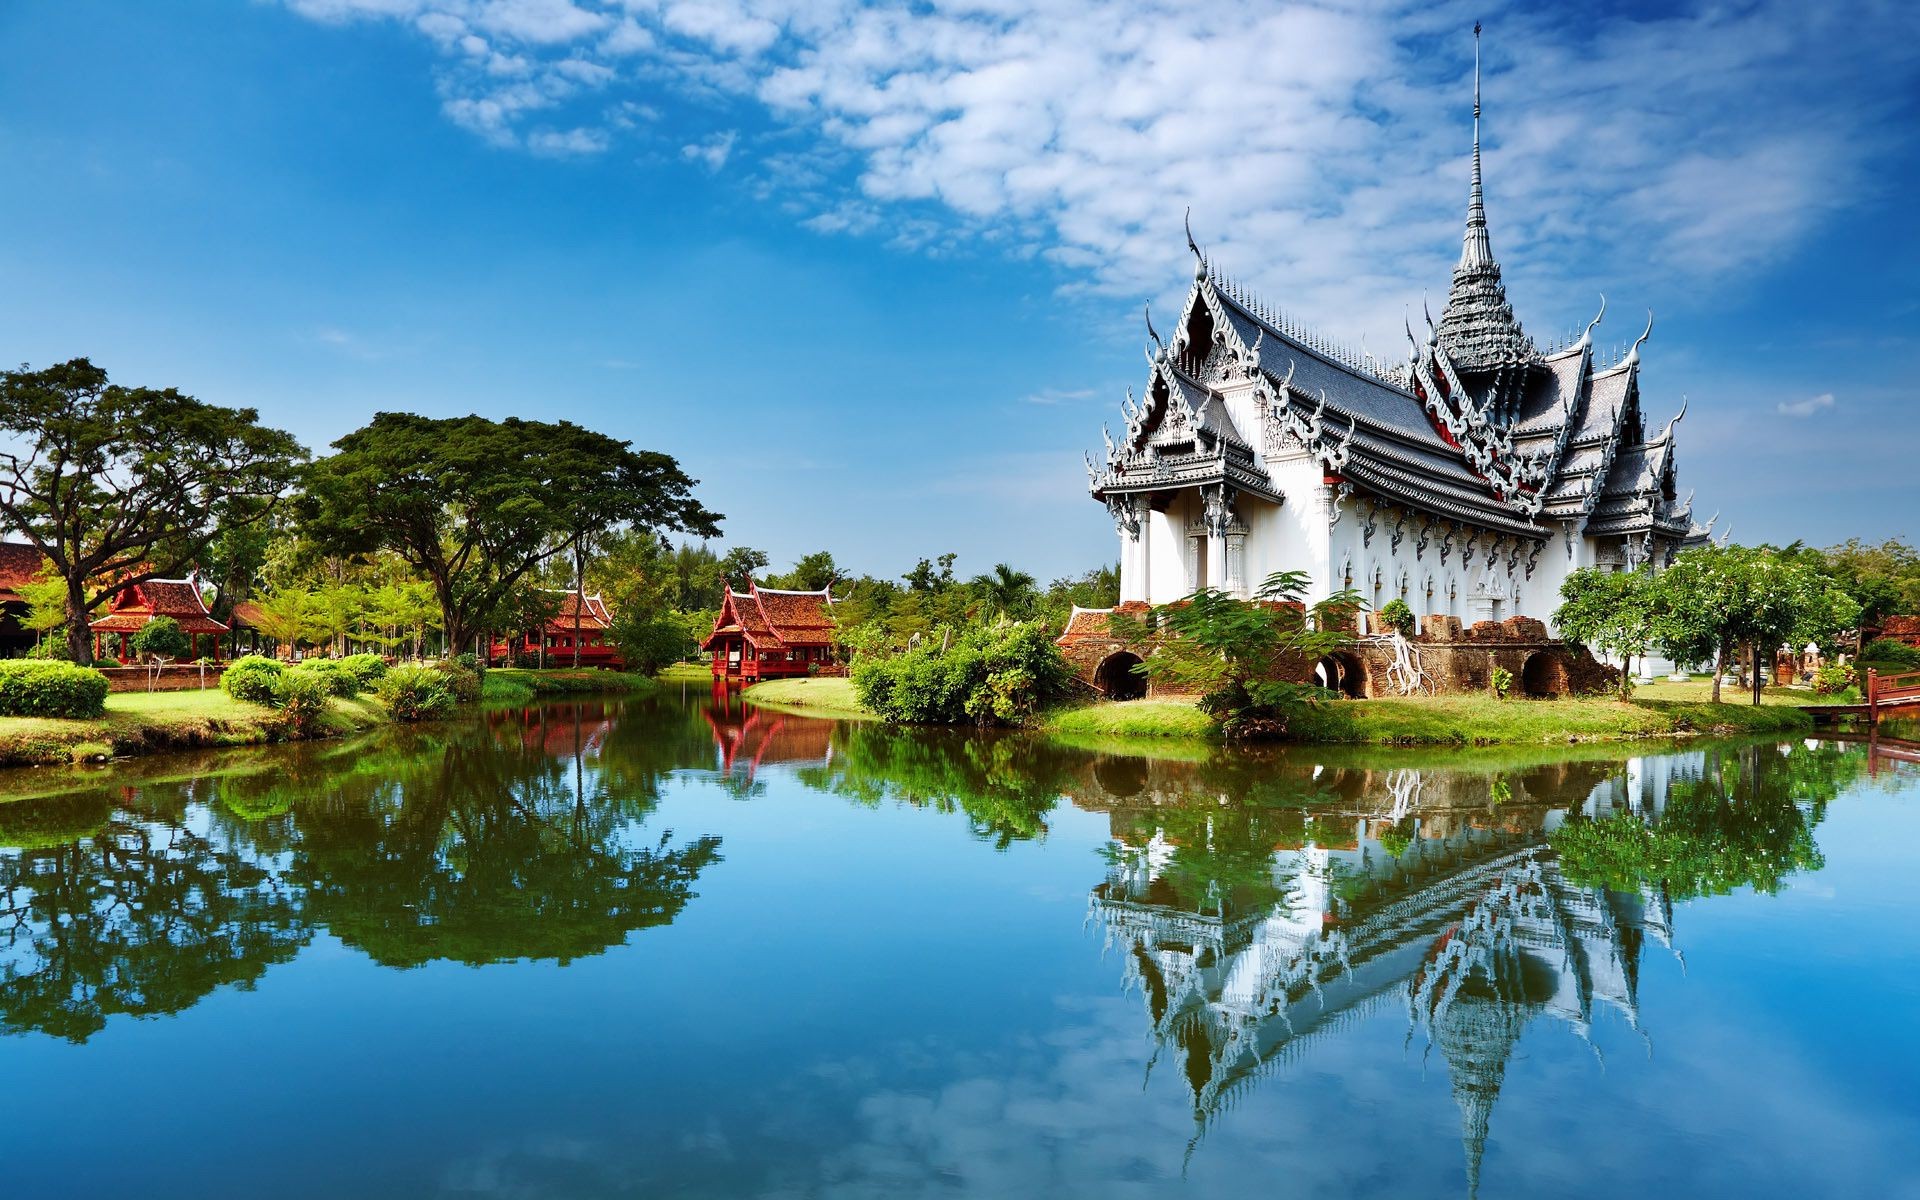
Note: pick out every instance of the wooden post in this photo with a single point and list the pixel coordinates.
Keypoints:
(1873, 710)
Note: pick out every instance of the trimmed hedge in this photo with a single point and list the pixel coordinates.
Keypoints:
(366, 669)
(32, 687)
(255, 679)
(332, 676)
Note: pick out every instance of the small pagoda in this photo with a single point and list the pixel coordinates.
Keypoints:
(579, 615)
(768, 633)
(130, 610)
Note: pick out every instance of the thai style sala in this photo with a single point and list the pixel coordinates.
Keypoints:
(767, 633)
(131, 608)
(579, 615)
(1468, 480)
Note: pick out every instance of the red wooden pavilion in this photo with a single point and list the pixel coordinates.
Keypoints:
(132, 608)
(767, 633)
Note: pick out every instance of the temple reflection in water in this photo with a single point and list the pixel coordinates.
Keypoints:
(1252, 934)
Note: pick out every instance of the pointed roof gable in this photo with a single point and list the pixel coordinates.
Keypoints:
(133, 607)
(773, 618)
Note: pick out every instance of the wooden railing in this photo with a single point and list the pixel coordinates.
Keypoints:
(1891, 691)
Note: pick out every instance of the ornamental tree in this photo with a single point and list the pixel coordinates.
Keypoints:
(1609, 611)
(476, 505)
(118, 485)
(1714, 599)
(1230, 650)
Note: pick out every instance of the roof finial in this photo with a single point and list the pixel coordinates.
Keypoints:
(1475, 250)
(1633, 355)
(1586, 339)
(1148, 309)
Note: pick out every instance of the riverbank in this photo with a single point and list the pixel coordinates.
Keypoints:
(1454, 720)
(824, 696)
(149, 722)
(1428, 721)
(516, 685)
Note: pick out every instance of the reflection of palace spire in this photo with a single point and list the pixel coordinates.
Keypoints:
(1475, 931)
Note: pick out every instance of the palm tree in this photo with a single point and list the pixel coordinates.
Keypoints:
(1006, 590)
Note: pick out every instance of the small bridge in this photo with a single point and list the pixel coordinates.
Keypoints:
(1886, 696)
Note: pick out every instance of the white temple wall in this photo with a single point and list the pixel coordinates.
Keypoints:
(1292, 536)
(1168, 552)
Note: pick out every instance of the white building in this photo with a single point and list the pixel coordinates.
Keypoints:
(1467, 480)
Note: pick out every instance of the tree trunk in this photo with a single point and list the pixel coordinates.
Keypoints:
(1753, 651)
(79, 637)
(1719, 669)
(579, 595)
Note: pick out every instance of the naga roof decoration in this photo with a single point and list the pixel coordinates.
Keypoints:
(1475, 425)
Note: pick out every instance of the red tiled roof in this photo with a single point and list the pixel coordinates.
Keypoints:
(770, 618)
(593, 615)
(176, 598)
(19, 563)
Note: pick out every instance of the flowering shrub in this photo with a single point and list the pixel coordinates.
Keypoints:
(301, 696)
(1832, 679)
(415, 693)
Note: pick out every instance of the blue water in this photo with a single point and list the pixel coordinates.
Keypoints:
(684, 949)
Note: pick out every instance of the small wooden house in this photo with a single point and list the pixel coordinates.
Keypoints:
(133, 607)
(767, 633)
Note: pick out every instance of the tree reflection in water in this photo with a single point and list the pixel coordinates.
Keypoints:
(520, 837)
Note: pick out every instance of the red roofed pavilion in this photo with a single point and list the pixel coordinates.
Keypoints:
(765, 633)
(133, 607)
(594, 622)
(20, 565)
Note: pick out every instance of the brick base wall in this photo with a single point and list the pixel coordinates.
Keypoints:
(171, 679)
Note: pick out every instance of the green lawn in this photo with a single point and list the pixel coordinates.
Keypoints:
(142, 722)
(824, 696)
(516, 685)
(1701, 690)
(685, 672)
(1451, 720)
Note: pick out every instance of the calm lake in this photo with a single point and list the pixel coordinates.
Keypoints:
(683, 948)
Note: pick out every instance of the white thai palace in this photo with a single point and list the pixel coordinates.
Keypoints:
(1468, 479)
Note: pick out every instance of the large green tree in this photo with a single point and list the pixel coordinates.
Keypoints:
(1609, 611)
(118, 485)
(476, 505)
(1714, 599)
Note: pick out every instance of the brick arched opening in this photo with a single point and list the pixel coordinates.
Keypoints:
(1543, 675)
(1343, 673)
(1117, 679)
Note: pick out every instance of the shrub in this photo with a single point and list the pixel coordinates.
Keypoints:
(1502, 680)
(253, 679)
(366, 669)
(1397, 616)
(415, 693)
(1886, 653)
(49, 688)
(461, 676)
(302, 697)
(53, 646)
(336, 679)
(1832, 679)
(160, 638)
(1000, 674)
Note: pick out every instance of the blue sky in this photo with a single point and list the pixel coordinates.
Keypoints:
(874, 271)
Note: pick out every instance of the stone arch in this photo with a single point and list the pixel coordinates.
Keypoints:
(1116, 679)
(1543, 674)
(1342, 672)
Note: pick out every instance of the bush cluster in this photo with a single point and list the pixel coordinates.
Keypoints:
(301, 697)
(999, 674)
(366, 669)
(161, 637)
(462, 678)
(1886, 653)
(416, 693)
(255, 679)
(51, 688)
(1833, 679)
(1396, 615)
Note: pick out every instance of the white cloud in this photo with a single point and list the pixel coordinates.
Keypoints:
(571, 143)
(711, 153)
(1807, 407)
(1322, 149)
(1049, 397)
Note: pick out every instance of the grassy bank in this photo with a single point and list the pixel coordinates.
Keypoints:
(146, 722)
(1454, 720)
(823, 697)
(686, 672)
(514, 685)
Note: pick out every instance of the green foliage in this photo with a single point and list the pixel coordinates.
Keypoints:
(115, 484)
(301, 697)
(1229, 650)
(414, 693)
(1716, 598)
(255, 679)
(1744, 823)
(1833, 679)
(160, 637)
(999, 674)
(1608, 611)
(476, 506)
(1884, 580)
(1502, 680)
(1885, 652)
(366, 669)
(461, 676)
(334, 678)
(1397, 616)
(49, 688)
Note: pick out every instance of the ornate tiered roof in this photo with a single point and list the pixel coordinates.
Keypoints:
(133, 607)
(1476, 426)
(590, 610)
(775, 619)
(20, 563)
